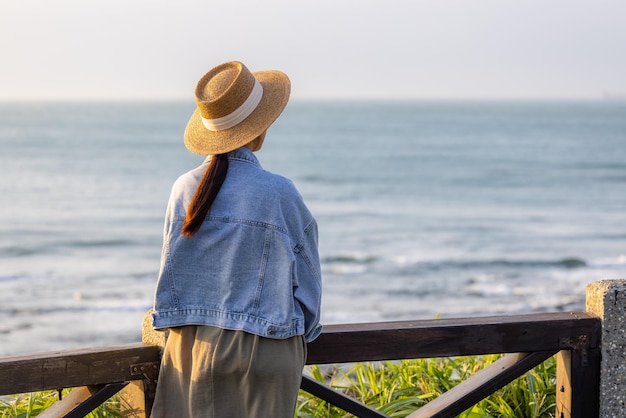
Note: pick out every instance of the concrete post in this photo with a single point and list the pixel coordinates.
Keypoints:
(149, 335)
(137, 396)
(607, 299)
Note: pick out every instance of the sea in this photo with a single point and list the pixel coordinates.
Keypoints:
(428, 209)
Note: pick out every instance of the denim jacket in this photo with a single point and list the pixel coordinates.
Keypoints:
(253, 265)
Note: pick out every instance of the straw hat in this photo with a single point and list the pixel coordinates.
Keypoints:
(234, 107)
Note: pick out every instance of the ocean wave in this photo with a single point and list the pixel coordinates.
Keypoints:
(563, 263)
(9, 277)
(98, 243)
(22, 251)
(54, 247)
(140, 306)
(568, 263)
(359, 263)
(350, 259)
(348, 264)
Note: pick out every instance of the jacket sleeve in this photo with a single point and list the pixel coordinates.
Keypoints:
(308, 286)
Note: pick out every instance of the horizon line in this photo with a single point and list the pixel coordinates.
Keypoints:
(603, 98)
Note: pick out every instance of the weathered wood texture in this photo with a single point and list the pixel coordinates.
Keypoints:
(451, 337)
(69, 402)
(578, 332)
(339, 399)
(81, 401)
(578, 384)
(75, 368)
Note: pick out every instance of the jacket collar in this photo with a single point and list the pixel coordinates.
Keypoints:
(240, 154)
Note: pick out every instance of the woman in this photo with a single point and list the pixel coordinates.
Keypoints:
(239, 286)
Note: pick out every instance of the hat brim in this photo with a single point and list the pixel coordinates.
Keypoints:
(276, 90)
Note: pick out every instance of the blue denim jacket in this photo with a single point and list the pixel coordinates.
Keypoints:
(253, 265)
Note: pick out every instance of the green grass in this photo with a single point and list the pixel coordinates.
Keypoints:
(28, 405)
(395, 388)
(399, 388)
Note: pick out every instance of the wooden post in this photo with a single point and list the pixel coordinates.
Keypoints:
(136, 399)
(607, 299)
(577, 380)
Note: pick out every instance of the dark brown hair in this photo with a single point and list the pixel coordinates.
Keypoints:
(205, 194)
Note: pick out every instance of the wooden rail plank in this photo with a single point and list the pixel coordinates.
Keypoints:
(337, 344)
(70, 401)
(81, 401)
(96, 399)
(338, 399)
(74, 368)
(451, 337)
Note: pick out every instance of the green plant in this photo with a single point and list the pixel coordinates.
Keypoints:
(532, 395)
(399, 388)
(27, 405)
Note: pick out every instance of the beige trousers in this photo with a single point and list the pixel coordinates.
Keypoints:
(209, 372)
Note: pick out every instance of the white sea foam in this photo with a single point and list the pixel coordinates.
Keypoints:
(609, 262)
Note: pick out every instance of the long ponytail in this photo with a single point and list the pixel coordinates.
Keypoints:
(205, 194)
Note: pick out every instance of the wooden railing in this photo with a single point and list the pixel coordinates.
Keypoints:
(527, 340)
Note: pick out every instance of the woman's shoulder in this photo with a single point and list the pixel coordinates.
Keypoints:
(282, 185)
(185, 184)
(280, 181)
(191, 176)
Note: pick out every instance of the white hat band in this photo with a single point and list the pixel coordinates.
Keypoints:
(239, 114)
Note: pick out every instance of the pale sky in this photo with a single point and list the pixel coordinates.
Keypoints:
(347, 49)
